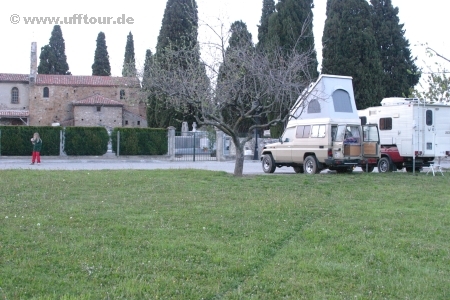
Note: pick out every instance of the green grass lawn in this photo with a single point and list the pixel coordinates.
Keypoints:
(191, 234)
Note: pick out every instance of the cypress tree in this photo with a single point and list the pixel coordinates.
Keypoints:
(350, 48)
(400, 72)
(234, 79)
(129, 63)
(263, 29)
(101, 66)
(53, 58)
(177, 47)
(147, 65)
(291, 28)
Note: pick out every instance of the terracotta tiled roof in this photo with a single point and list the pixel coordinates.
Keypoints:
(44, 79)
(14, 113)
(5, 77)
(97, 100)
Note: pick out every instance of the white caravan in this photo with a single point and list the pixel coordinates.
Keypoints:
(413, 132)
(325, 132)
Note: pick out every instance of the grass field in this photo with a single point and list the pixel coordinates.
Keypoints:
(191, 234)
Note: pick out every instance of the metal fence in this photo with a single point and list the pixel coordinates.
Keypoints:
(195, 146)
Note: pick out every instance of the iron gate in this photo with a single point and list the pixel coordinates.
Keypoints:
(195, 146)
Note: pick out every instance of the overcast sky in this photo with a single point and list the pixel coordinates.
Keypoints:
(424, 23)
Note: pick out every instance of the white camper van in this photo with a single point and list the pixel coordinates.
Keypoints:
(325, 132)
(413, 132)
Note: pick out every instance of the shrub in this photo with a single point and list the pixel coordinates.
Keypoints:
(15, 140)
(140, 141)
(86, 140)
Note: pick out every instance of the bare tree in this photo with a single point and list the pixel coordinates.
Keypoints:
(233, 93)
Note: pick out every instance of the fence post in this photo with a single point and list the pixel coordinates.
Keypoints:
(118, 143)
(171, 142)
(0, 142)
(61, 143)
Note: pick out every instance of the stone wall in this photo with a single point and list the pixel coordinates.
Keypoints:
(58, 108)
(5, 96)
(107, 116)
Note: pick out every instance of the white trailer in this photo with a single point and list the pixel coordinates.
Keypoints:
(413, 132)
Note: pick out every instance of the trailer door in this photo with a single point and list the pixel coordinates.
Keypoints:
(371, 141)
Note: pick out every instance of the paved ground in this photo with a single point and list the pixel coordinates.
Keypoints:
(110, 162)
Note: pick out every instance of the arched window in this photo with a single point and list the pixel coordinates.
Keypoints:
(122, 94)
(342, 102)
(46, 92)
(314, 107)
(14, 95)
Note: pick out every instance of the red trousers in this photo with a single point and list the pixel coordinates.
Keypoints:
(36, 157)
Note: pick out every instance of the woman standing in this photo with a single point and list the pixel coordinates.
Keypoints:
(37, 146)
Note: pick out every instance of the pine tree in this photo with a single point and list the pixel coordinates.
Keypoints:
(291, 28)
(400, 72)
(53, 58)
(350, 48)
(101, 66)
(263, 29)
(129, 63)
(177, 47)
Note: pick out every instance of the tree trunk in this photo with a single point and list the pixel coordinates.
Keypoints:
(239, 164)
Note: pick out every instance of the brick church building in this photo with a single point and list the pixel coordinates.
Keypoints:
(43, 100)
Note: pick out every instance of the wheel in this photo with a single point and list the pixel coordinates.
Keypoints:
(299, 170)
(384, 165)
(310, 165)
(369, 169)
(268, 164)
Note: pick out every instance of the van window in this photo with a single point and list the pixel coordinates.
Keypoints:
(314, 107)
(348, 134)
(318, 131)
(288, 135)
(342, 102)
(303, 131)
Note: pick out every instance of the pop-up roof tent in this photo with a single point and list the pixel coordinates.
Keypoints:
(330, 96)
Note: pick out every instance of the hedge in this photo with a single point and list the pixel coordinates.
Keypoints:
(140, 141)
(15, 140)
(85, 140)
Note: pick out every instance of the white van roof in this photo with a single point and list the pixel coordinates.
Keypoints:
(331, 96)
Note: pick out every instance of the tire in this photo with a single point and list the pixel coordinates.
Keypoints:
(299, 170)
(268, 164)
(310, 165)
(369, 169)
(384, 165)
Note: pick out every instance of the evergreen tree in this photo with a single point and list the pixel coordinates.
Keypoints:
(350, 48)
(177, 47)
(101, 66)
(147, 65)
(263, 29)
(53, 58)
(241, 91)
(400, 72)
(129, 63)
(291, 28)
